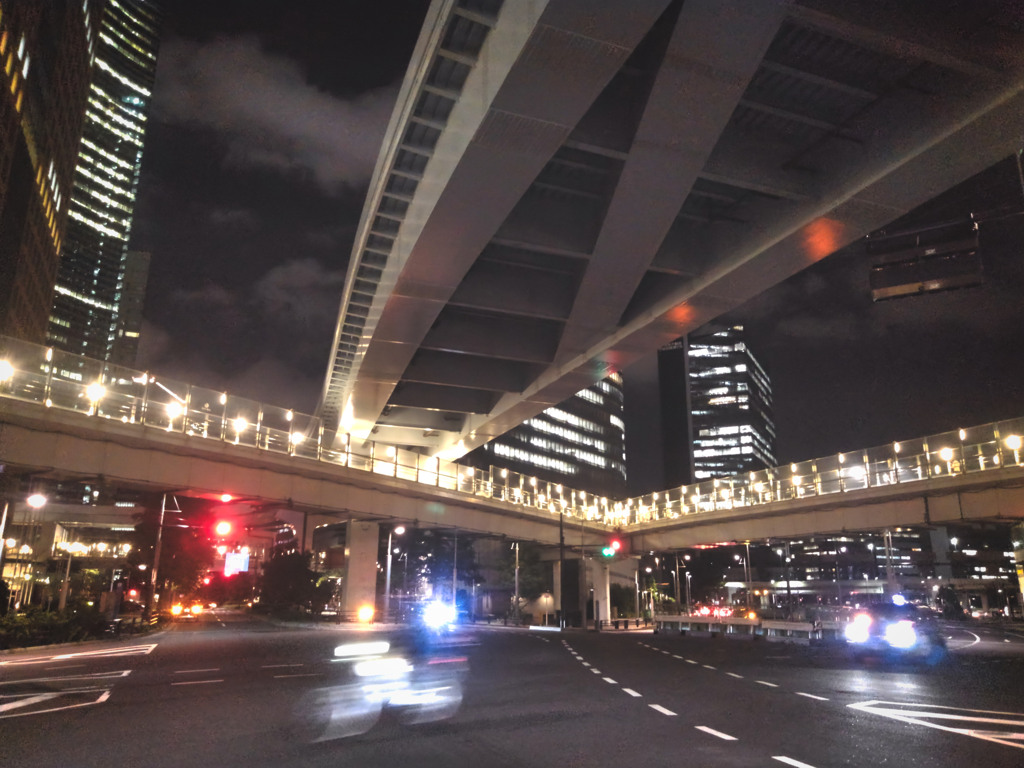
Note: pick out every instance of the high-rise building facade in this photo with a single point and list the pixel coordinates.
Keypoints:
(579, 443)
(129, 319)
(46, 52)
(732, 426)
(89, 295)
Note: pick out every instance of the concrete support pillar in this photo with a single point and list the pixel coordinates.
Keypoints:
(360, 587)
(940, 548)
(602, 592)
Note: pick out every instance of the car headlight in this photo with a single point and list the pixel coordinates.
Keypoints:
(858, 630)
(437, 615)
(901, 634)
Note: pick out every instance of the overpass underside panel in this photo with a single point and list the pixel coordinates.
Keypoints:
(613, 176)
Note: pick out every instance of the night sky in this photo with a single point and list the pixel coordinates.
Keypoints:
(266, 124)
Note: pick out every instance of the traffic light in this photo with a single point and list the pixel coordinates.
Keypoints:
(612, 549)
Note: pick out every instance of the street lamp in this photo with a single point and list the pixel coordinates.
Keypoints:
(387, 579)
(74, 548)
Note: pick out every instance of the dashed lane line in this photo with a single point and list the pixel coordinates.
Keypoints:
(765, 682)
(791, 761)
(733, 674)
(811, 696)
(197, 682)
(632, 693)
(713, 732)
(659, 708)
(610, 681)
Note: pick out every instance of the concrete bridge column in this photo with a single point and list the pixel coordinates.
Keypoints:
(360, 586)
(602, 592)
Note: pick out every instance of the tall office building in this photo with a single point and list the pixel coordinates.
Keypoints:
(89, 295)
(732, 426)
(129, 319)
(579, 443)
(702, 407)
(46, 51)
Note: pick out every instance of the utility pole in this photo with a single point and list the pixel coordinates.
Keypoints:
(676, 555)
(561, 569)
(455, 567)
(151, 603)
(515, 546)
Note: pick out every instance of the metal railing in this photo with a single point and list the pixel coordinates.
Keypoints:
(52, 379)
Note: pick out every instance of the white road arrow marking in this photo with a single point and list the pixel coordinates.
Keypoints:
(930, 714)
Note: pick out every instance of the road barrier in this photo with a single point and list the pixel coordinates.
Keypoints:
(773, 630)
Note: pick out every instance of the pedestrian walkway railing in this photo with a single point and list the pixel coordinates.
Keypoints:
(31, 373)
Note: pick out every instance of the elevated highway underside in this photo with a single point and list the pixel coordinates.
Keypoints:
(566, 186)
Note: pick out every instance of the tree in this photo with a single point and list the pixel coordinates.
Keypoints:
(186, 551)
(288, 582)
(535, 577)
(431, 556)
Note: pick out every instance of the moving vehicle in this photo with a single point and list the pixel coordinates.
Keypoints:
(415, 675)
(895, 629)
(186, 611)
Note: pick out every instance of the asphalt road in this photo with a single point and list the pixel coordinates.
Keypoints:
(229, 691)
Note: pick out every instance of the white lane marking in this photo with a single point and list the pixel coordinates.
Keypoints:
(713, 732)
(586, 663)
(194, 671)
(691, 661)
(28, 701)
(609, 681)
(708, 666)
(676, 656)
(659, 708)
(131, 650)
(733, 674)
(90, 677)
(197, 682)
(765, 682)
(297, 674)
(923, 714)
(791, 761)
(811, 696)
(49, 696)
(631, 692)
(279, 666)
(66, 666)
(595, 670)
(665, 652)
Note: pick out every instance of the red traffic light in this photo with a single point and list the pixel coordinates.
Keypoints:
(222, 528)
(616, 545)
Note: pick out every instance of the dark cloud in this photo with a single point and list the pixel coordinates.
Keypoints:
(265, 109)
